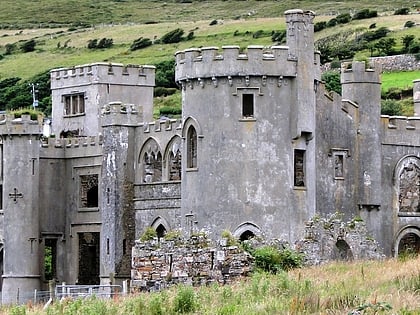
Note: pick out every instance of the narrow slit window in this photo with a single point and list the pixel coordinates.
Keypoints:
(248, 105)
(191, 147)
(338, 166)
(299, 168)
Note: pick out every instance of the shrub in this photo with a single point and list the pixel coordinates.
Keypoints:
(332, 81)
(278, 36)
(391, 108)
(214, 22)
(105, 43)
(28, 46)
(364, 14)
(319, 26)
(149, 234)
(92, 43)
(184, 301)
(409, 24)
(163, 91)
(190, 36)
(414, 48)
(271, 259)
(170, 111)
(333, 22)
(174, 36)
(140, 43)
(343, 18)
(402, 11)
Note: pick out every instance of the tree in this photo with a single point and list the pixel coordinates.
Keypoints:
(140, 43)
(385, 46)
(174, 36)
(332, 81)
(165, 74)
(407, 40)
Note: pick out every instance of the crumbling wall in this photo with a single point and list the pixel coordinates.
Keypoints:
(331, 239)
(159, 263)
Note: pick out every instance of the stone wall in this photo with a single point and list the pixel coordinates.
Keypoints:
(331, 239)
(397, 63)
(159, 263)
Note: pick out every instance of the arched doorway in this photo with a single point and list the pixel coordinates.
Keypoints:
(342, 251)
(408, 242)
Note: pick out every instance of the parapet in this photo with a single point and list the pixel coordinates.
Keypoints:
(71, 147)
(117, 113)
(107, 73)
(162, 126)
(24, 125)
(357, 72)
(401, 130)
(209, 62)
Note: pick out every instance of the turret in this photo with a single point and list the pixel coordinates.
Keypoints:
(117, 209)
(79, 93)
(362, 86)
(21, 274)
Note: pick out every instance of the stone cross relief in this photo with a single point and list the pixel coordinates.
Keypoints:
(15, 195)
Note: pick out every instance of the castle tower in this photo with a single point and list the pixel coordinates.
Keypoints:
(248, 154)
(416, 97)
(363, 87)
(79, 93)
(21, 213)
(117, 191)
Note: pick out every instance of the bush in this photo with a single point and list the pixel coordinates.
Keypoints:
(184, 301)
(271, 259)
(333, 22)
(319, 26)
(163, 91)
(170, 111)
(278, 36)
(402, 11)
(149, 234)
(364, 14)
(343, 18)
(332, 81)
(105, 43)
(391, 108)
(140, 43)
(174, 36)
(214, 22)
(409, 24)
(28, 46)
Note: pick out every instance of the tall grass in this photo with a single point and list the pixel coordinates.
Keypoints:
(370, 287)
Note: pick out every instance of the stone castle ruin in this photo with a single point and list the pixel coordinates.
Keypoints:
(260, 150)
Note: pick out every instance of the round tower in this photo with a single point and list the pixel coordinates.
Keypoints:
(248, 158)
(21, 275)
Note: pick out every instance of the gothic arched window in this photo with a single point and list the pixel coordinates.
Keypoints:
(191, 147)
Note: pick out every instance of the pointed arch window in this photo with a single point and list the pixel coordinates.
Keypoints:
(152, 163)
(191, 147)
(174, 160)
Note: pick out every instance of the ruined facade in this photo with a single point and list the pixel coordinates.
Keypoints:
(261, 148)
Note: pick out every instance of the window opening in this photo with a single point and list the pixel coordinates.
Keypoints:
(74, 104)
(299, 168)
(248, 105)
(152, 163)
(50, 259)
(160, 231)
(338, 165)
(89, 191)
(247, 235)
(175, 163)
(191, 147)
(124, 245)
(409, 245)
(409, 188)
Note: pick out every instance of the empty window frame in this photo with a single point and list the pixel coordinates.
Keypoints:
(299, 168)
(248, 105)
(89, 191)
(74, 104)
(191, 148)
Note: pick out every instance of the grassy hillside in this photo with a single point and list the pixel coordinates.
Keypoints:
(61, 41)
(370, 287)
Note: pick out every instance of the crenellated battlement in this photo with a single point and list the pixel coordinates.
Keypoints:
(357, 72)
(108, 73)
(209, 62)
(401, 130)
(71, 147)
(117, 113)
(10, 125)
(158, 126)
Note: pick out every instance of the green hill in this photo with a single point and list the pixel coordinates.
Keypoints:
(62, 29)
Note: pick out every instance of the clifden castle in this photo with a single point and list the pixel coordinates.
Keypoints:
(261, 148)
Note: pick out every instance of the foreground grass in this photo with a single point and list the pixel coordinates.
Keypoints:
(372, 287)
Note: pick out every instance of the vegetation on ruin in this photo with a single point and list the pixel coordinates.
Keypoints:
(369, 287)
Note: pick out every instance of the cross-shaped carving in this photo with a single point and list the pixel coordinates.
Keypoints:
(15, 195)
